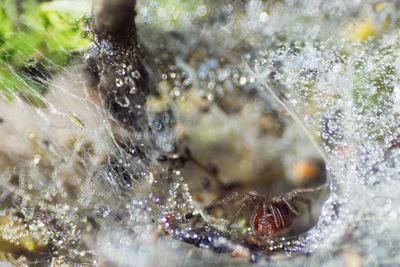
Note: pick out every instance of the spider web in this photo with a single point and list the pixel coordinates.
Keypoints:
(78, 186)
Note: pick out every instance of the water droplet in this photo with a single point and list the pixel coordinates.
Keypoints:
(201, 10)
(263, 17)
(332, 126)
(175, 92)
(157, 126)
(103, 211)
(222, 74)
(211, 85)
(210, 97)
(118, 82)
(309, 120)
(123, 101)
(243, 80)
(128, 80)
(135, 74)
(36, 159)
(187, 82)
(133, 90)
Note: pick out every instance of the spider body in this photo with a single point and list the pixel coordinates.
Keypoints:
(270, 217)
(277, 219)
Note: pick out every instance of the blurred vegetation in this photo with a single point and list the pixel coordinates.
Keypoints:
(36, 37)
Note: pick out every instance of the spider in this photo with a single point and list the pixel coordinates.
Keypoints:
(270, 217)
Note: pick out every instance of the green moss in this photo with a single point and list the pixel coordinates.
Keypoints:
(50, 33)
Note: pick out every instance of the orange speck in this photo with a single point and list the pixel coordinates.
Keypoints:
(305, 170)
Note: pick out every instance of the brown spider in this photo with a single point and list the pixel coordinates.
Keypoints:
(270, 217)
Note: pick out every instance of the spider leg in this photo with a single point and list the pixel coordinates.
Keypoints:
(290, 206)
(242, 206)
(308, 203)
(268, 206)
(230, 197)
(280, 216)
(294, 193)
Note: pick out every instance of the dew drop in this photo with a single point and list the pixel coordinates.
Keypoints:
(123, 101)
(119, 82)
(135, 74)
